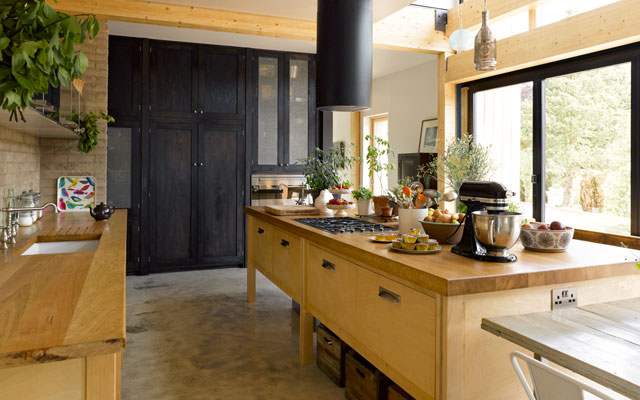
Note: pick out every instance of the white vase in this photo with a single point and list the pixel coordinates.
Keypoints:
(410, 218)
(321, 202)
(364, 206)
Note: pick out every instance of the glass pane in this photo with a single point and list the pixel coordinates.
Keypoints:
(556, 10)
(381, 180)
(298, 110)
(119, 167)
(267, 111)
(588, 149)
(503, 121)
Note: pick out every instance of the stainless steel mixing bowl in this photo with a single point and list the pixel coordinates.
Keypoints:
(497, 232)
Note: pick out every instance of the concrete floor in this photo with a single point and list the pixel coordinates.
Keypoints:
(192, 335)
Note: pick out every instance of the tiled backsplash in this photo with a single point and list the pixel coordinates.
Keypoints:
(19, 161)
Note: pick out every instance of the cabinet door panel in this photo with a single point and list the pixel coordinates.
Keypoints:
(172, 190)
(172, 79)
(221, 82)
(220, 182)
(125, 77)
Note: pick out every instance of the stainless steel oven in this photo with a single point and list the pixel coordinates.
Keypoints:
(277, 189)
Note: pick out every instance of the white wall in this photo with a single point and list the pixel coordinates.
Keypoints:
(408, 97)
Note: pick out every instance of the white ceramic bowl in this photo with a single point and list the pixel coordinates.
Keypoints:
(546, 241)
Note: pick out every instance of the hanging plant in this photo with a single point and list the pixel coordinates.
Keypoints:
(37, 49)
(87, 129)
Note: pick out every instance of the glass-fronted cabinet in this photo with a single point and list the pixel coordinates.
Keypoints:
(284, 112)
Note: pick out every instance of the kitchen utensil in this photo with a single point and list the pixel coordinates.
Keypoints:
(415, 251)
(497, 232)
(420, 199)
(406, 190)
(431, 193)
(443, 233)
(492, 240)
(102, 211)
(546, 241)
(450, 196)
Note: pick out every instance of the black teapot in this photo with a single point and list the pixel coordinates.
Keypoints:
(101, 211)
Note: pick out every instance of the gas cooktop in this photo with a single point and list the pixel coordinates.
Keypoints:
(343, 225)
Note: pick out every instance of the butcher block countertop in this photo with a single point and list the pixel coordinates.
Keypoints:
(452, 275)
(60, 306)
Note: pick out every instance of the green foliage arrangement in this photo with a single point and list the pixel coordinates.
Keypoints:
(375, 154)
(463, 160)
(322, 168)
(362, 193)
(37, 48)
(88, 130)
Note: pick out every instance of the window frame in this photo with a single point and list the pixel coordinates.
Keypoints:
(538, 75)
(372, 121)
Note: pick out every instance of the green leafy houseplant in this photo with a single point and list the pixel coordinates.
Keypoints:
(87, 128)
(463, 160)
(362, 193)
(322, 168)
(37, 49)
(375, 153)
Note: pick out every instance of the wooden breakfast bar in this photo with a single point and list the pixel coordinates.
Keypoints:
(417, 318)
(62, 316)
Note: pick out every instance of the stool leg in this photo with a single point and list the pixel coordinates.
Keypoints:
(251, 283)
(306, 337)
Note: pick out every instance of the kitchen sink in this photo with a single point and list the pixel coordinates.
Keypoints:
(67, 246)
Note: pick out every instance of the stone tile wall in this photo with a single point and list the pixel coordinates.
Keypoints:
(19, 161)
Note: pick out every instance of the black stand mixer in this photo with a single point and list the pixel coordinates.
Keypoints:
(489, 230)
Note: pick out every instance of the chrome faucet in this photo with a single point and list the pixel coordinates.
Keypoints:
(9, 232)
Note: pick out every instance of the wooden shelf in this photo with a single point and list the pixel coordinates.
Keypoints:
(37, 125)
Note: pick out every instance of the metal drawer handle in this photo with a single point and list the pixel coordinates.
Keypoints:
(329, 342)
(284, 243)
(328, 265)
(260, 231)
(389, 295)
(360, 373)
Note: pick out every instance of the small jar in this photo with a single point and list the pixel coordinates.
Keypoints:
(25, 218)
(37, 198)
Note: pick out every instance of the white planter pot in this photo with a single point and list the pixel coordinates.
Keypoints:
(364, 207)
(321, 202)
(410, 218)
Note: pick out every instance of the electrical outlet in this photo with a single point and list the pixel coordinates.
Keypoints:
(564, 298)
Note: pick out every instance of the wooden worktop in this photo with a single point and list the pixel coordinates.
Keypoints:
(451, 275)
(61, 306)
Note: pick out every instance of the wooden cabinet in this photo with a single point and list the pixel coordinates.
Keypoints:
(284, 115)
(278, 255)
(195, 194)
(221, 77)
(395, 327)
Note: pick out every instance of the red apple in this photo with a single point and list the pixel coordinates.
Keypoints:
(543, 227)
(557, 226)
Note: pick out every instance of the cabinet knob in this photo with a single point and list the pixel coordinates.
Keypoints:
(260, 231)
(195, 164)
(280, 164)
(328, 265)
(285, 164)
(195, 111)
(284, 243)
(201, 111)
(201, 164)
(389, 295)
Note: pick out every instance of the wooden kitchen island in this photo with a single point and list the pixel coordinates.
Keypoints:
(62, 316)
(418, 318)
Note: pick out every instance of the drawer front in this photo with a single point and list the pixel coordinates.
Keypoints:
(398, 324)
(330, 287)
(286, 264)
(260, 240)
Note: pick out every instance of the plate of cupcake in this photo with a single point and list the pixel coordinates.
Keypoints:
(415, 243)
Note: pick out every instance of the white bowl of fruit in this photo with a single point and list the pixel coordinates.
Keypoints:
(551, 238)
(341, 206)
(341, 188)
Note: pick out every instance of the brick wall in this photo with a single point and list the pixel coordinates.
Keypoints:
(60, 156)
(19, 162)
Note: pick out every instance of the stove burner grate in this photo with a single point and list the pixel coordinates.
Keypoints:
(343, 225)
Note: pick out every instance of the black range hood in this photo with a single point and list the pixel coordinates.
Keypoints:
(344, 55)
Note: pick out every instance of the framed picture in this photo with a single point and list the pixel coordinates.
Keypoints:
(429, 136)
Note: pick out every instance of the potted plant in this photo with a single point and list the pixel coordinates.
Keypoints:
(38, 43)
(462, 160)
(377, 149)
(363, 196)
(322, 169)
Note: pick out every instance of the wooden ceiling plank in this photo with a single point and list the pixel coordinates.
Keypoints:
(410, 29)
(498, 10)
(600, 29)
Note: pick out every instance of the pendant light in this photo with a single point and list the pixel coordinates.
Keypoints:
(484, 53)
(344, 55)
(461, 39)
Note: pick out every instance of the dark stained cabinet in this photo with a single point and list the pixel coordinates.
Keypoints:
(172, 194)
(182, 147)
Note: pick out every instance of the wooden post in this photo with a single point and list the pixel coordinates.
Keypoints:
(446, 115)
(102, 381)
(306, 319)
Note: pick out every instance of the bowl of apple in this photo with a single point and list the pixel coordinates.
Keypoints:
(443, 226)
(546, 238)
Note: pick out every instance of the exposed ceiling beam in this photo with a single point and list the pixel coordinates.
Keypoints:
(407, 31)
(498, 9)
(603, 28)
